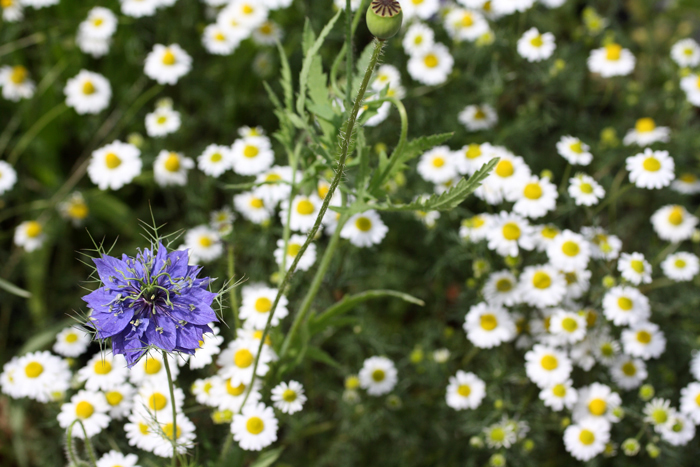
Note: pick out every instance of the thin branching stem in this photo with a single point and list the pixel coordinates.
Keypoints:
(171, 387)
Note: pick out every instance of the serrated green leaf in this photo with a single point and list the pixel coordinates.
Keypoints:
(318, 84)
(285, 78)
(308, 36)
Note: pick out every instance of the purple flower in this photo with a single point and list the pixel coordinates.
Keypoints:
(151, 301)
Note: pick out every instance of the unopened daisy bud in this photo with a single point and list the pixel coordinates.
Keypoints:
(646, 392)
(357, 329)
(512, 261)
(164, 102)
(380, 148)
(394, 402)
(528, 445)
(476, 442)
(471, 283)
(566, 421)
(546, 173)
(485, 39)
(610, 450)
(400, 179)
(351, 396)
(220, 417)
(498, 404)
(653, 450)
(359, 409)
(683, 72)
(608, 137)
(609, 282)
(275, 278)
(497, 460)
(416, 356)
(135, 139)
(630, 447)
(480, 267)
(384, 18)
(695, 238)
(591, 317)
(352, 382)
(619, 412)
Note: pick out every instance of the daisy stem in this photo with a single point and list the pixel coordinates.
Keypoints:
(88, 445)
(232, 293)
(294, 158)
(565, 178)
(345, 138)
(171, 387)
(31, 134)
(36, 38)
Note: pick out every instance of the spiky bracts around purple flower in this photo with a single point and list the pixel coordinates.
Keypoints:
(151, 301)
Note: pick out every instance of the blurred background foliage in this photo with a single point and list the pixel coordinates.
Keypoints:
(536, 103)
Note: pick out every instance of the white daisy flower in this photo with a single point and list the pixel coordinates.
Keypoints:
(421, 9)
(465, 25)
(488, 326)
(568, 326)
(29, 235)
(626, 306)
(114, 165)
(386, 75)
(100, 23)
(507, 7)
(476, 228)
(478, 117)
(578, 282)
(679, 430)
(203, 390)
(153, 400)
(645, 133)
(142, 432)
(268, 33)
(288, 397)
(222, 41)
(681, 266)
(441, 355)
(673, 223)
(151, 368)
(628, 373)
(597, 401)
(117, 459)
(534, 197)
(247, 13)
(215, 160)
(611, 60)
(341, 4)
(252, 155)
(587, 438)
(305, 209)
(651, 169)
(15, 83)
(575, 151)
(605, 348)
(257, 304)
(687, 184)
(690, 402)
(103, 371)
(547, 366)
(293, 246)
(657, 412)
(167, 64)
(8, 381)
(209, 347)
(252, 207)
(378, 376)
(418, 39)
(585, 190)
(74, 208)
(432, 66)
(686, 53)
(569, 251)
(644, 340)
(88, 407)
(465, 391)
(88, 92)
(139, 8)
(552, 3)
(582, 355)
(437, 165)
(544, 235)
(12, 11)
(40, 375)
(162, 121)
(238, 358)
(691, 85)
(472, 157)
(508, 233)
(500, 435)
(36, 4)
(120, 398)
(72, 342)
(228, 396)
(535, 46)
(634, 268)
(501, 289)
(276, 184)
(204, 244)
(510, 173)
(164, 437)
(170, 168)
(559, 396)
(695, 365)
(8, 177)
(603, 245)
(255, 428)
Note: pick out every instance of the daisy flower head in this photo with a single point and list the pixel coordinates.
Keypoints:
(421, 9)
(165, 436)
(534, 197)
(535, 46)
(645, 133)
(674, 223)
(690, 402)
(15, 83)
(488, 326)
(167, 64)
(431, 66)
(29, 235)
(90, 408)
(644, 340)
(153, 400)
(508, 233)
(552, 3)
(252, 155)
(686, 53)
(215, 160)
(170, 168)
(88, 92)
(501, 289)
(568, 326)
(257, 304)
(603, 245)
(509, 174)
(221, 41)
(651, 169)
(117, 459)
(465, 25)
(559, 396)
(418, 39)
(293, 247)
(209, 346)
(162, 121)
(508, 7)
(268, 33)
(634, 268)
(578, 281)
(114, 165)
(305, 209)
(72, 342)
(437, 165)
(276, 184)
(100, 23)
(611, 60)
(12, 11)
(695, 365)
(500, 435)
(226, 395)
(246, 13)
(585, 190)
(203, 244)
(628, 373)
(8, 177)
(544, 235)
(569, 251)
(238, 358)
(141, 431)
(203, 390)
(39, 375)
(681, 266)
(8, 381)
(103, 371)
(691, 85)
(687, 184)
(120, 399)
(587, 438)
(139, 8)
(547, 366)
(255, 427)
(36, 4)
(473, 156)
(386, 75)
(478, 117)
(74, 208)
(679, 430)
(625, 306)
(597, 401)
(657, 412)
(575, 151)
(288, 397)
(378, 376)
(253, 207)
(465, 391)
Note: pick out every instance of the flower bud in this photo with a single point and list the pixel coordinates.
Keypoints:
(384, 18)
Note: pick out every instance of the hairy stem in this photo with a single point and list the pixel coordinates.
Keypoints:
(171, 387)
(348, 53)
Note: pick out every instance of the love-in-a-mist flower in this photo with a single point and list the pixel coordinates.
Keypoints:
(535, 46)
(418, 38)
(587, 438)
(674, 223)
(139, 8)
(681, 266)
(478, 117)
(611, 60)
(114, 165)
(152, 300)
(626, 306)
(651, 169)
(488, 326)
(431, 66)
(255, 427)
(88, 92)
(686, 53)
(15, 83)
(645, 132)
(585, 190)
(634, 268)
(8, 177)
(288, 397)
(465, 391)
(167, 64)
(378, 376)
(29, 235)
(465, 25)
(209, 347)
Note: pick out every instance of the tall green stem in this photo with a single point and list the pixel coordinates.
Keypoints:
(345, 138)
(31, 134)
(232, 293)
(348, 52)
(171, 386)
(72, 456)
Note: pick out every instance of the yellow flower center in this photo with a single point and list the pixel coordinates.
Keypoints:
(607, 349)
(473, 151)
(33, 369)
(676, 216)
(505, 169)
(293, 249)
(438, 162)
(162, 119)
(168, 58)
(234, 391)
(114, 398)
(504, 285)
(143, 428)
(549, 232)
(697, 399)
(570, 248)
(78, 211)
(477, 221)
(205, 241)
(629, 369)
(266, 29)
(645, 125)
(597, 407)
(464, 390)
(97, 22)
(418, 40)
(559, 390)
(157, 401)
(625, 303)
(569, 324)
(430, 61)
(19, 73)
(247, 9)
(577, 147)
(497, 434)
(88, 88)
(255, 425)
(112, 161)
(586, 437)
(219, 36)
(289, 395)
(263, 305)
(467, 20)
(305, 207)
(680, 264)
(257, 203)
(660, 416)
(651, 164)
(363, 224)
(251, 151)
(33, 229)
(378, 375)
(479, 114)
(168, 431)
(613, 52)
(511, 231)
(152, 366)
(586, 188)
(243, 358)
(102, 367)
(549, 362)
(541, 280)
(570, 277)
(637, 265)
(72, 337)
(172, 163)
(532, 191)
(489, 322)
(537, 41)
(84, 410)
(688, 178)
(643, 337)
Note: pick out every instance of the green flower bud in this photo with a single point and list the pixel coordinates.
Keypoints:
(528, 445)
(497, 460)
(630, 447)
(384, 18)
(653, 450)
(646, 392)
(476, 442)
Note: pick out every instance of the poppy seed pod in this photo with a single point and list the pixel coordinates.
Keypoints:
(384, 18)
